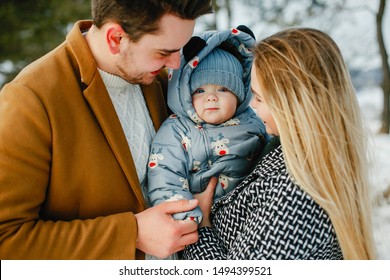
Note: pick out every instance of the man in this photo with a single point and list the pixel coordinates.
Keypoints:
(75, 129)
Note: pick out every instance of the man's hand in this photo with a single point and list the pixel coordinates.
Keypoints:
(159, 234)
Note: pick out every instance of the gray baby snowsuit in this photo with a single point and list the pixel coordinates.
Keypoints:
(187, 152)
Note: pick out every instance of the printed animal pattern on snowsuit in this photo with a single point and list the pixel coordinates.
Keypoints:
(154, 158)
(194, 116)
(194, 151)
(224, 180)
(219, 146)
(185, 185)
(232, 122)
(185, 142)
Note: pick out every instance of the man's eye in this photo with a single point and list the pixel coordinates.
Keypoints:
(164, 54)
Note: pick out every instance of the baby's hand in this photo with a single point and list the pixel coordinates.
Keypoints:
(206, 199)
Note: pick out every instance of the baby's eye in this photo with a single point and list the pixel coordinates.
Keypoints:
(199, 90)
(223, 89)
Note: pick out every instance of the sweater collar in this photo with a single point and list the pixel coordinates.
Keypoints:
(112, 81)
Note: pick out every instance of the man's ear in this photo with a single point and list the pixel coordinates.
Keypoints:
(114, 35)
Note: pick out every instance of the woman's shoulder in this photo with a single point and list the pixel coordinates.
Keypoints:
(275, 186)
(269, 168)
(271, 183)
(271, 163)
(274, 206)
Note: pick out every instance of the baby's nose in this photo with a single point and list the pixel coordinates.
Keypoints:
(211, 98)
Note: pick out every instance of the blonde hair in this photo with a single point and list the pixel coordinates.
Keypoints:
(306, 84)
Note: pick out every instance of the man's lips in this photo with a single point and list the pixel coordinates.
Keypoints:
(155, 73)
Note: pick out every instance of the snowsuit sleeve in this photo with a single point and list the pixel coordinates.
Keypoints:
(168, 168)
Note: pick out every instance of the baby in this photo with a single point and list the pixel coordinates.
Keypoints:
(214, 131)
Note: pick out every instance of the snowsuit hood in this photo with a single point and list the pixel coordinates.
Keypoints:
(179, 89)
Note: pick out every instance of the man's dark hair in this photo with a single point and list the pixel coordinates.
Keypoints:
(140, 17)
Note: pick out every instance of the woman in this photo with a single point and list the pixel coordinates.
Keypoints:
(308, 197)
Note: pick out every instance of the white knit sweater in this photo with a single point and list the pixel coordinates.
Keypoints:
(134, 117)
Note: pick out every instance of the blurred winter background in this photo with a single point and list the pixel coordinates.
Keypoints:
(31, 28)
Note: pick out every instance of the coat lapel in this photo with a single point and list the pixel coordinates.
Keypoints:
(155, 102)
(97, 96)
(100, 102)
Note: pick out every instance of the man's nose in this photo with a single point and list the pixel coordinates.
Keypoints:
(173, 60)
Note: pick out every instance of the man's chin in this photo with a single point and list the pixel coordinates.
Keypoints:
(147, 80)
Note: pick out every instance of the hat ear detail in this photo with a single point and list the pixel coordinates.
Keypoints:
(193, 47)
(246, 29)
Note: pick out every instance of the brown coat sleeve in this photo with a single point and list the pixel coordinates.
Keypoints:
(59, 199)
(68, 185)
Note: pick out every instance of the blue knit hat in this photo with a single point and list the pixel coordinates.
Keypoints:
(221, 68)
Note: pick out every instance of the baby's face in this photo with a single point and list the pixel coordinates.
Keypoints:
(214, 104)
